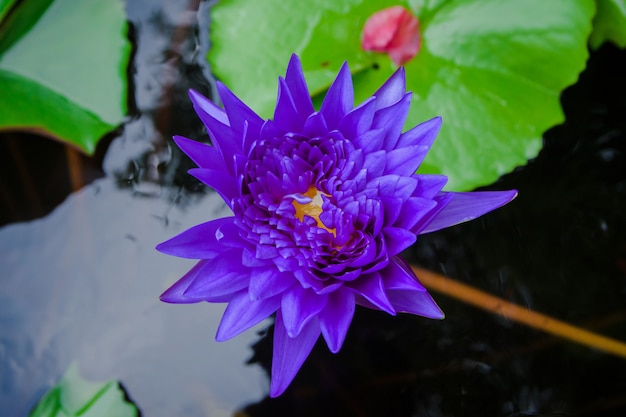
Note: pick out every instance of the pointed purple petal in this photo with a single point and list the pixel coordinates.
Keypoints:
(429, 185)
(299, 306)
(406, 293)
(336, 317)
(243, 313)
(175, 293)
(375, 163)
(398, 239)
(297, 86)
(228, 141)
(290, 353)
(208, 106)
(203, 155)
(267, 282)
(198, 242)
(468, 206)
(398, 275)
(286, 117)
(412, 211)
(358, 120)
(221, 276)
(339, 99)
(441, 200)
(405, 161)
(391, 119)
(315, 125)
(370, 141)
(415, 302)
(372, 289)
(238, 112)
(224, 184)
(392, 90)
(422, 134)
(395, 186)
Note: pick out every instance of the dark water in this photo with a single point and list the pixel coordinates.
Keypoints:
(80, 279)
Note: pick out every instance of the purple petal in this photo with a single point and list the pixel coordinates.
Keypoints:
(219, 277)
(286, 116)
(412, 211)
(297, 86)
(415, 302)
(395, 186)
(468, 206)
(405, 292)
(429, 185)
(392, 90)
(336, 317)
(299, 306)
(339, 99)
(398, 239)
(422, 134)
(198, 242)
(441, 200)
(238, 112)
(405, 161)
(370, 141)
(267, 282)
(208, 107)
(358, 120)
(372, 289)
(175, 293)
(243, 313)
(290, 353)
(224, 184)
(391, 120)
(203, 155)
(375, 163)
(399, 276)
(315, 126)
(227, 141)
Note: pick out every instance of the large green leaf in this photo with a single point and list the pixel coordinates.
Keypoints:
(63, 69)
(494, 69)
(5, 6)
(609, 23)
(74, 396)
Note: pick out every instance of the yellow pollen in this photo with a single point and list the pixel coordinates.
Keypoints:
(312, 209)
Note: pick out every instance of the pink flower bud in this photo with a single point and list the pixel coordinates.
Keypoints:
(394, 31)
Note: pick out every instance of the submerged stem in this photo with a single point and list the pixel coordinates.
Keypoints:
(477, 298)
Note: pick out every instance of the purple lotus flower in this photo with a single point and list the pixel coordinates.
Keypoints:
(324, 202)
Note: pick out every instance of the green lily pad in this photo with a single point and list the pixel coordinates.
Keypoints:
(493, 69)
(609, 23)
(74, 396)
(63, 68)
(5, 6)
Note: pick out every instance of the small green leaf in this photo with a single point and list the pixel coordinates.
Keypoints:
(493, 69)
(74, 397)
(609, 23)
(63, 69)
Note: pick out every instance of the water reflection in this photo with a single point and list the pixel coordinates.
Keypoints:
(83, 284)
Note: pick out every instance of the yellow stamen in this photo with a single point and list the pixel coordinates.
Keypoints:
(312, 209)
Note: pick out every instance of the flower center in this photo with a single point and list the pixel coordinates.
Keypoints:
(313, 208)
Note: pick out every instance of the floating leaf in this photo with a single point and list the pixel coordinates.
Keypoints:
(609, 23)
(74, 396)
(62, 68)
(494, 69)
(5, 6)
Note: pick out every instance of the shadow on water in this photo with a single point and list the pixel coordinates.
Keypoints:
(82, 283)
